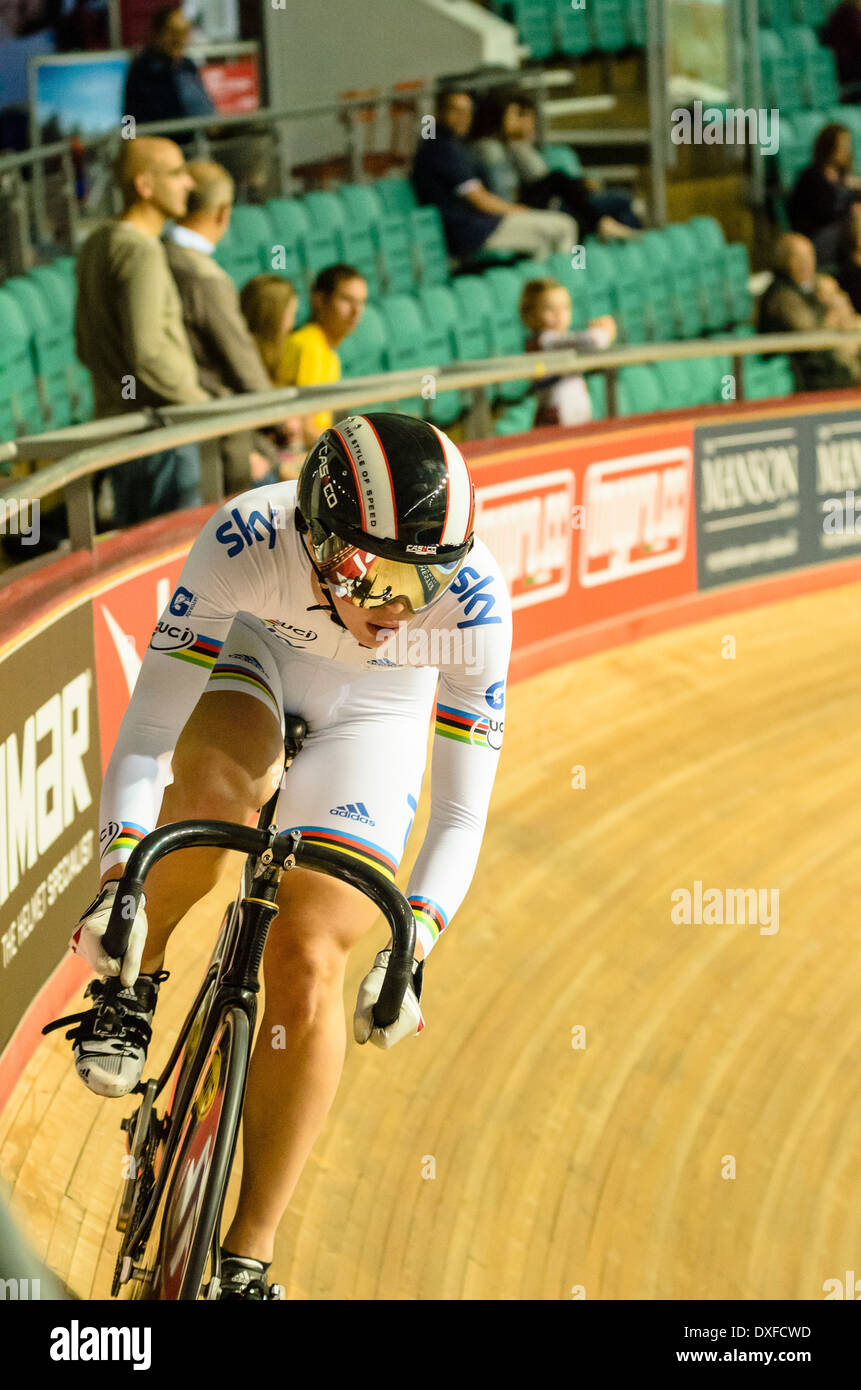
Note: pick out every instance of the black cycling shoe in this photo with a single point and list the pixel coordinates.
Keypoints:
(245, 1278)
(111, 1039)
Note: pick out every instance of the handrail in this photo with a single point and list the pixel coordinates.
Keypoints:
(263, 114)
(135, 437)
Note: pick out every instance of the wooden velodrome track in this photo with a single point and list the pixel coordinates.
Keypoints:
(601, 1170)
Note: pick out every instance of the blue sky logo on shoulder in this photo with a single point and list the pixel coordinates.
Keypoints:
(237, 533)
(495, 695)
(476, 595)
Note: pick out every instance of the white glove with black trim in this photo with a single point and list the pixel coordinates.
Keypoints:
(86, 939)
(408, 1022)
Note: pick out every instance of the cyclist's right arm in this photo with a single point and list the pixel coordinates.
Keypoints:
(217, 581)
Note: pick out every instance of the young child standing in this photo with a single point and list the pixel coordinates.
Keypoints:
(545, 308)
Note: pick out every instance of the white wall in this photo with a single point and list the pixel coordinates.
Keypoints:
(317, 50)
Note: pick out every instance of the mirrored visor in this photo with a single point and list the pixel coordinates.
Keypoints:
(371, 581)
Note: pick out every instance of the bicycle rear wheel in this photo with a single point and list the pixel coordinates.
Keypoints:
(195, 1193)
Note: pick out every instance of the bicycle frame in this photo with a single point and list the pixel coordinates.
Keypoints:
(233, 974)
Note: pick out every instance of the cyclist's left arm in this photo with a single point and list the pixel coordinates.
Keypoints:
(469, 718)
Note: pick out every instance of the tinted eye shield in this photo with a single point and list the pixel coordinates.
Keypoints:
(372, 581)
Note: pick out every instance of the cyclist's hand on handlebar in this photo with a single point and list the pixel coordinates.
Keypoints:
(86, 939)
(408, 1022)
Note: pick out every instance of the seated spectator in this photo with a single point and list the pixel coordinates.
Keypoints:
(849, 266)
(504, 144)
(129, 331)
(800, 301)
(269, 304)
(228, 361)
(545, 308)
(843, 34)
(338, 297)
(446, 173)
(825, 191)
(162, 83)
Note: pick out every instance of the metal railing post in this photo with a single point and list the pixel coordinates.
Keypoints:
(81, 513)
(611, 377)
(211, 471)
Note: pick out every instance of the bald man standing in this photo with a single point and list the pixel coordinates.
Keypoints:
(799, 300)
(128, 326)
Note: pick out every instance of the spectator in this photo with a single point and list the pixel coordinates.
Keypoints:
(504, 145)
(128, 325)
(545, 308)
(849, 268)
(825, 191)
(163, 84)
(843, 34)
(447, 174)
(226, 354)
(269, 303)
(800, 301)
(338, 297)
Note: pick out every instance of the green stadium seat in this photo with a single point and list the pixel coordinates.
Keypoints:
(363, 352)
(59, 290)
(406, 343)
(469, 338)
(291, 227)
(737, 272)
(677, 385)
(573, 32)
(504, 287)
(517, 417)
(534, 20)
(389, 234)
(20, 411)
(636, 26)
(429, 239)
(607, 20)
(354, 242)
(396, 194)
(286, 259)
(442, 407)
(562, 157)
(52, 349)
(248, 247)
(639, 390)
(764, 377)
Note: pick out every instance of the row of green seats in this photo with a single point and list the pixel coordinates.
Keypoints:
(797, 71)
(42, 384)
(678, 385)
(778, 14)
(549, 27)
(378, 227)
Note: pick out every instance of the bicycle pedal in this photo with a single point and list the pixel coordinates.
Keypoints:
(276, 1293)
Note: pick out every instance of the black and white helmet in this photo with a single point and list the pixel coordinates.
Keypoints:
(389, 504)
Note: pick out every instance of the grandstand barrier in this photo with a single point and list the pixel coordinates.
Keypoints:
(140, 433)
(605, 534)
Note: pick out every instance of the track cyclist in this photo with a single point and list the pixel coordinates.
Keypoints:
(360, 599)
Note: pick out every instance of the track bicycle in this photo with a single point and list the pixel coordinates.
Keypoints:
(179, 1161)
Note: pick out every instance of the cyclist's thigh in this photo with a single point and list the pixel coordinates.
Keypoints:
(239, 718)
(355, 787)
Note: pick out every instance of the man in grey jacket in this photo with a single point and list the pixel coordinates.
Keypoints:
(226, 354)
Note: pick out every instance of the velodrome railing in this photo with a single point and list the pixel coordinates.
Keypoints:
(71, 457)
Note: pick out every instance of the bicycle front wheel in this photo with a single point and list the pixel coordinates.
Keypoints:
(204, 1158)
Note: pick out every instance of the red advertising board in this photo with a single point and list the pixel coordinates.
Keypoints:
(591, 530)
(233, 84)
